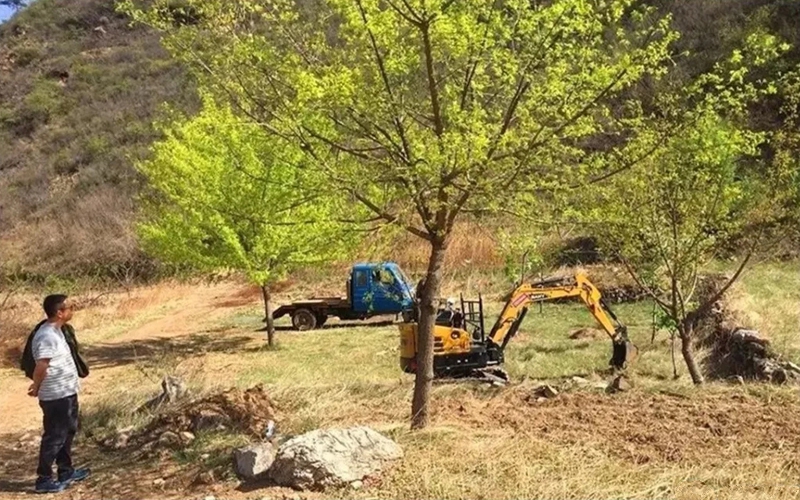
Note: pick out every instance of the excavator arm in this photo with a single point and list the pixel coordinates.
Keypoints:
(580, 287)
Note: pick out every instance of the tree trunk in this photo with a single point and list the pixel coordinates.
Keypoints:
(268, 312)
(426, 321)
(686, 332)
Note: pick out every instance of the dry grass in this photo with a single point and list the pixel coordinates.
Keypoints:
(665, 439)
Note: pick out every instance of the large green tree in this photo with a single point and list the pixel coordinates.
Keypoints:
(227, 196)
(422, 110)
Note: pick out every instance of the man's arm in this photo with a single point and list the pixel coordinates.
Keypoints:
(38, 376)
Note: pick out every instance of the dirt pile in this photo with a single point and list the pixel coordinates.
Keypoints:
(248, 412)
(732, 350)
(641, 427)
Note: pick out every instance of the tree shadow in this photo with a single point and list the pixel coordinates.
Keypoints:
(17, 464)
(334, 326)
(109, 355)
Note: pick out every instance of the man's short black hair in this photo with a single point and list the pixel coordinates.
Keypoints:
(53, 303)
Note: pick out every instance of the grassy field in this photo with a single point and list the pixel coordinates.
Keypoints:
(663, 439)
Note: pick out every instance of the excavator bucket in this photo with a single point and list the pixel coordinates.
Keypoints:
(624, 353)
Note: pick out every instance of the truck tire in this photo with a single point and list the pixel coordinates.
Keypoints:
(304, 319)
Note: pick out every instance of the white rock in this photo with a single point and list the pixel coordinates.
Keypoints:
(334, 457)
(254, 460)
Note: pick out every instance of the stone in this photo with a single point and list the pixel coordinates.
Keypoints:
(187, 437)
(169, 439)
(332, 458)
(209, 498)
(620, 384)
(356, 485)
(545, 391)
(158, 482)
(579, 380)
(254, 460)
(206, 477)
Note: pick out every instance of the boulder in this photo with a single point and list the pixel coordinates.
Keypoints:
(332, 458)
(254, 460)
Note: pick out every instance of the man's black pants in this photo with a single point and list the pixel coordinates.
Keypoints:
(60, 426)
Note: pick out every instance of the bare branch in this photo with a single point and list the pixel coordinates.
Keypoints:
(388, 217)
(632, 272)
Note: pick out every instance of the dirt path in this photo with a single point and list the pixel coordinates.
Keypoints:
(187, 310)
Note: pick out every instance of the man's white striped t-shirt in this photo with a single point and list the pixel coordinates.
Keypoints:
(61, 380)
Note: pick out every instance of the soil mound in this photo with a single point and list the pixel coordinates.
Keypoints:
(248, 412)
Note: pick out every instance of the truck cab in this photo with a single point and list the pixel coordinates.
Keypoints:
(379, 288)
(373, 289)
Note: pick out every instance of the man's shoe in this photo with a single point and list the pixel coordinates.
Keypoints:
(77, 476)
(49, 486)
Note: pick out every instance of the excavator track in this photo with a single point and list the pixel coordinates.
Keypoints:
(489, 375)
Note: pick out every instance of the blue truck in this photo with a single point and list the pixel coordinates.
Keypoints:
(373, 289)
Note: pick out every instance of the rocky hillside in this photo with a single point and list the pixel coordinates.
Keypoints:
(80, 89)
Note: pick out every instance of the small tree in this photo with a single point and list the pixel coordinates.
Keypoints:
(424, 109)
(704, 182)
(228, 197)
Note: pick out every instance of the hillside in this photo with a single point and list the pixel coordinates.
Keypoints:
(80, 89)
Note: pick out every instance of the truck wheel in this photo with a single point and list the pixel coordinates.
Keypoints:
(303, 320)
(321, 319)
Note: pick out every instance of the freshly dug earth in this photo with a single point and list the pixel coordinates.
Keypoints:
(643, 428)
(247, 412)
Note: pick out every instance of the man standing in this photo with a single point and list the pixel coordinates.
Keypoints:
(55, 383)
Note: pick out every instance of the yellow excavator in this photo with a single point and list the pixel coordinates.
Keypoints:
(463, 349)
